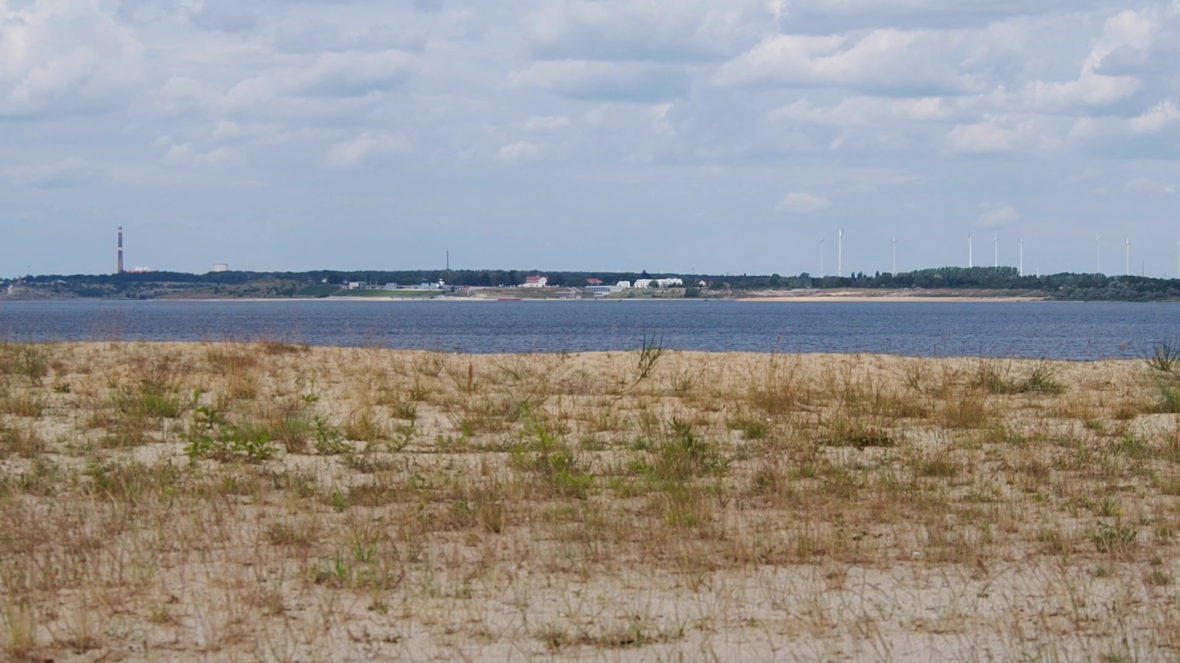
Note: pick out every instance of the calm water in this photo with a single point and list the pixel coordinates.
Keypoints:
(1040, 329)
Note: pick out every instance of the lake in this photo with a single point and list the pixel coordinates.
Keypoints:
(1055, 330)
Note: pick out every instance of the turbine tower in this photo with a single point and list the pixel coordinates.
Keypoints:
(1098, 241)
(970, 251)
(996, 244)
(1128, 256)
(840, 254)
(1021, 242)
(894, 272)
(821, 258)
(120, 268)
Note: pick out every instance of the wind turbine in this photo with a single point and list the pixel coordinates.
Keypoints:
(894, 272)
(996, 243)
(1178, 268)
(1098, 241)
(1021, 242)
(1128, 256)
(970, 251)
(840, 254)
(821, 258)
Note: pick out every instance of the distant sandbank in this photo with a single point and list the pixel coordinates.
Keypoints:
(889, 298)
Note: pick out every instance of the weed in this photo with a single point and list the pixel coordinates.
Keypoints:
(683, 455)
(1115, 539)
(751, 427)
(1165, 358)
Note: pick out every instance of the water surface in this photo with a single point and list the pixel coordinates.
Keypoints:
(1025, 329)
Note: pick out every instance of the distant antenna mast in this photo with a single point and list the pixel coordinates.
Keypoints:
(894, 272)
(120, 267)
(821, 258)
(996, 243)
(970, 251)
(840, 254)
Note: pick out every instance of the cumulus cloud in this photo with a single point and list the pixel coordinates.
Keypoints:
(519, 152)
(883, 59)
(64, 58)
(1156, 118)
(1146, 185)
(625, 30)
(62, 174)
(997, 214)
(981, 138)
(864, 110)
(366, 150)
(329, 75)
(583, 79)
(651, 94)
(185, 154)
(547, 123)
(801, 202)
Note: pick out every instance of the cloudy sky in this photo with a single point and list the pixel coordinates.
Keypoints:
(680, 135)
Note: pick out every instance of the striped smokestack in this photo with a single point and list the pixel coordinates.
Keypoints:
(120, 250)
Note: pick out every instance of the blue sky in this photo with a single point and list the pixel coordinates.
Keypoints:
(668, 135)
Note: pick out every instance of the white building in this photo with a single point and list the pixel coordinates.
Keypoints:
(535, 282)
(658, 283)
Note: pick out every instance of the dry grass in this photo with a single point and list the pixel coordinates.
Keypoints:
(277, 502)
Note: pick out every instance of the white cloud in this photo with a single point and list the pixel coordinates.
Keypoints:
(329, 75)
(1088, 90)
(62, 174)
(1125, 29)
(883, 59)
(584, 79)
(1156, 118)
(662, 30)
(997, 214)
(185, 154)
(1145, 185)
(519, 152)
(800, 202)
(64, 58)
(864, 111)
(367, 149)
(981, 138)
(547, 123)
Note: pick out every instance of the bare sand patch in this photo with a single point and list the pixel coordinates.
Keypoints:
(269, 501)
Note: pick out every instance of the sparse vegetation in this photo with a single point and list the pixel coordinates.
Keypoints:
(272, 501)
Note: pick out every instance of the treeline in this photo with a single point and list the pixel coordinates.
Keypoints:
(1065, 286)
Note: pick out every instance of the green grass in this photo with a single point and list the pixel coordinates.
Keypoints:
(320, 290)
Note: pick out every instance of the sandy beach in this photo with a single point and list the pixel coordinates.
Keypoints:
(278, 502)
(836, 297)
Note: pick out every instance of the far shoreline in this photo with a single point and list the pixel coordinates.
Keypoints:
(895, 299)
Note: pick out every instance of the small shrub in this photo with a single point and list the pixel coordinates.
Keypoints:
(684, 456)
(211, 437)
(1165, 358)
(752, 428)
(329, 441)
(1115, 538)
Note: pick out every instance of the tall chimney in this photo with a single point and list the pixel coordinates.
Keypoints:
(120, 250)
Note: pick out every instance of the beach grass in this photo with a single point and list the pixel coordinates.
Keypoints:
(278, 502)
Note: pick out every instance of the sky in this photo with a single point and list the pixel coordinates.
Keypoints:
(710, 136)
